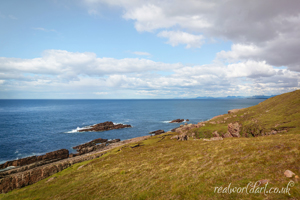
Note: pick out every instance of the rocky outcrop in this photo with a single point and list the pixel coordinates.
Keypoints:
(92, 146)
(34, 175)
(91, 143)
(234, 129)
(177, 121)
(113, 141)
(158, 132)
(21, 176)
(57, 155)
(182, 137)
(226, 135)
(105, 126)
(215, 134)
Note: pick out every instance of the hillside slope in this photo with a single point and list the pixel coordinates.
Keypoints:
(275, 115)
(161, 168)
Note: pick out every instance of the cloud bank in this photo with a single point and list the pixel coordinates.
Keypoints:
(63, 71)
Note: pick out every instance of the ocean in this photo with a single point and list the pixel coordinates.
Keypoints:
(35, 127)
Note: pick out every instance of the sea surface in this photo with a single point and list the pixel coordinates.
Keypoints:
(35, 127)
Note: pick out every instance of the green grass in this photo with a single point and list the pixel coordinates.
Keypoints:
(161, 168)
(277, 113)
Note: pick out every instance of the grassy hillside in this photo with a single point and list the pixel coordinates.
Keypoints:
(279, 113)
(160, 168)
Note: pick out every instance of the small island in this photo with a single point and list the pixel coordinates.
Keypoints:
(105, 126)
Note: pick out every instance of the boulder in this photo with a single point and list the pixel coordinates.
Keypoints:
(289, 173)
(187, 120)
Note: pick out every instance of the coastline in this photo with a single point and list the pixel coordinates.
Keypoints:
(29, 174)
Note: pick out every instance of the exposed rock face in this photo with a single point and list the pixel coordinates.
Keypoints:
(158, 132)
(91, 143)
(177, 121)
(105, 126)
(34, 175)
(226, 135)
(215, 134)
(58, 155)
(234, 129)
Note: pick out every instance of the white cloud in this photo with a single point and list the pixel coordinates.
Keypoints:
(178, 37)
(69, 64)
(58, 71)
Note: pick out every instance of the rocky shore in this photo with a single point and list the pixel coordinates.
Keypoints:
(26, 171)
(33, 169)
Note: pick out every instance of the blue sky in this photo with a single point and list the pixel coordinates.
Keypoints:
(147, 49)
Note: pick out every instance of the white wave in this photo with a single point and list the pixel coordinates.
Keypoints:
(170, 121)
(76, 130)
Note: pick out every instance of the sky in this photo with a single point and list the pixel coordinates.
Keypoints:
(148, 49)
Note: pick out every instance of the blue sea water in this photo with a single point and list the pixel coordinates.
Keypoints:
(35, 127)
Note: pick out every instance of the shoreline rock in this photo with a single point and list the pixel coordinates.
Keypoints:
(31, 173)
(59, 154)
(158, 132)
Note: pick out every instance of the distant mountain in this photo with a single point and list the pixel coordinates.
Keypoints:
(238, 97)
(261, 97)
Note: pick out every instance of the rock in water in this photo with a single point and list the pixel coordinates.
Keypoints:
(177, 120)
(105, 126)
